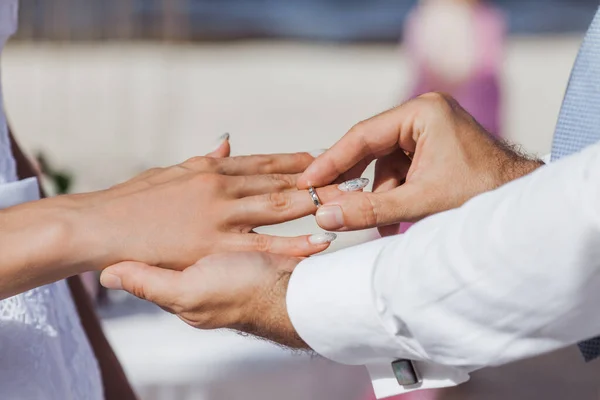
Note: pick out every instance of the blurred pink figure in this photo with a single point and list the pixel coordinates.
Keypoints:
(457, 47)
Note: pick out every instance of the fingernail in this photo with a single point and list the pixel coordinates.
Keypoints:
(330, 217)
(317, 153)
(354, 185)
(220, 140)
(322, 238)
(111, 281)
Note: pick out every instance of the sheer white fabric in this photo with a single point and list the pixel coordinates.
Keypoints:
(44, 353)
(8, 24)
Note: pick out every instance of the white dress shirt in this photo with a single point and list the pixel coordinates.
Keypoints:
(511, 274)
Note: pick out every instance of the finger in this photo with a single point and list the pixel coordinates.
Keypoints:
(373, 138)
(160, 286)
(265, 164)
(301, 246)
(254, 185)
(390, 172)
(367, 210)
(278, 207)
(223, 148)
(235, 166)
(355, 172)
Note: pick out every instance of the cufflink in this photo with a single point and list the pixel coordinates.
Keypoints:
(406, 373)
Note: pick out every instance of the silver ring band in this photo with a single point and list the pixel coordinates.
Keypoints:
(314, 196)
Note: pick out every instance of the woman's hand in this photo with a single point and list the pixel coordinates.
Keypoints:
(171, 217)
(431, 156)
(168, 217)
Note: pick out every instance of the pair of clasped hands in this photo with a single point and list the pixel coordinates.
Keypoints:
(200, 258)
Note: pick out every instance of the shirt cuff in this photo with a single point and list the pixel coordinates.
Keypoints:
(434, 376)
(15, 193)
(547, 158)
(331, 304)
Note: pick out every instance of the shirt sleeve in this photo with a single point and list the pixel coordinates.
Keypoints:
(15, 193)
(9, 16)
(512, 274)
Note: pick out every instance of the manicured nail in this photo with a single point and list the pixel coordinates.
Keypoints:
(322, 238)
(317, 153)
(111, 281)
(354, 185)
(224, 137)
(330, 217)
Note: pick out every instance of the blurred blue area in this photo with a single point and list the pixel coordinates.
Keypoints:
(367, 19)
(334, 20)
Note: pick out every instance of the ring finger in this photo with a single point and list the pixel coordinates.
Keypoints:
(275, 208)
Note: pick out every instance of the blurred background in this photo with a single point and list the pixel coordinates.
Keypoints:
(102, 90)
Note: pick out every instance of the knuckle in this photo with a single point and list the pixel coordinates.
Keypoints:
(200, 163)
(262, 164)
(207, 181)
(282, 180)
(202, 185)
(437, 99)
(154, 171)
(434, 97)
(439, 104)
(359, 129)
(194, 160)
(369, 210)
(266, 164)
(302, 159)
(262, 243)
(278, 201)
(139, 290)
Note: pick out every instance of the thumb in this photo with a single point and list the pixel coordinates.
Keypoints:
(160, 286)
(222, 149)
(355, 211)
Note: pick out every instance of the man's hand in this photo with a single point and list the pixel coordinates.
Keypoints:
(241, 291)
(431, 156)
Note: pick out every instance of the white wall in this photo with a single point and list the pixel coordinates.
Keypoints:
(108, 111)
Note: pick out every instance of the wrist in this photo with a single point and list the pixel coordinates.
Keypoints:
(39, 245)
(72, 228)
(91, 246)
(520, 168)
(515, 164)
(287, 333)
(267, 315)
